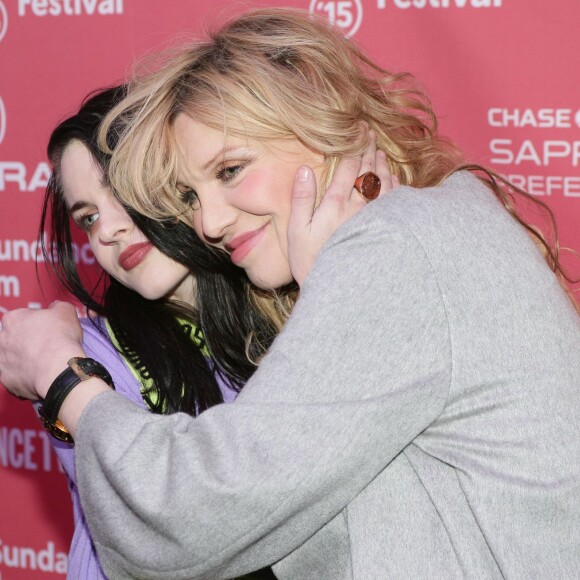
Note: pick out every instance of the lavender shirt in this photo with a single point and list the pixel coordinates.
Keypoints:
(83, 560)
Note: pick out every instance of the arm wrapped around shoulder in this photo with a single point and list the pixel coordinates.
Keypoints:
(361, 368)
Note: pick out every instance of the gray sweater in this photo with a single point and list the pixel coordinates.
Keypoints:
(419, 417)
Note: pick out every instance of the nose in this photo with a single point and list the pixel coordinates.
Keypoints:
(214, 216)
(114, 222)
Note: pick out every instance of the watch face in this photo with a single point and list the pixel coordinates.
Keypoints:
(57, 430)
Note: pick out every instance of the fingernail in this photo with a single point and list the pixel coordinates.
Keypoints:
(302, 174)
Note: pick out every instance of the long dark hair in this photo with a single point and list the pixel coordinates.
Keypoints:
(154, 334)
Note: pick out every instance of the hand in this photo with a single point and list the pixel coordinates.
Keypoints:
(35, 346)
(309, 226)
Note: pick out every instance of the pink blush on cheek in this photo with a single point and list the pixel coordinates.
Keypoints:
(264, 193)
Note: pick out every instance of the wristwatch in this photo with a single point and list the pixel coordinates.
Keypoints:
(78, 369)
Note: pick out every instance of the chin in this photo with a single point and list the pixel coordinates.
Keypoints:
(150, 293)
(270, 280)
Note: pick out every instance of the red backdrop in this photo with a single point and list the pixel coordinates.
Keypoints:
(503, 75)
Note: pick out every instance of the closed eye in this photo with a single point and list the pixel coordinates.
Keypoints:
(188, 196)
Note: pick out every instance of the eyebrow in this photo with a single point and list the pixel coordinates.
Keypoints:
(219, 154)
(211, 162)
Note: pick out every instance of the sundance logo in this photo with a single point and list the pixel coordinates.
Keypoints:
(2, 120)
(25, 558)
(69, 7)
(9, 288)
(346, 14)
(3, 20)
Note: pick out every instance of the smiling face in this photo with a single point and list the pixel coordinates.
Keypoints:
(241, 195)
(119, 246)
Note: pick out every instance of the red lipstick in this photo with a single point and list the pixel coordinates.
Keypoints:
(132, 256)
(240, 246)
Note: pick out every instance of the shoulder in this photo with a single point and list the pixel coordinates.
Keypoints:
(96, 338)
(457, 235)
(98, 344)
(459, 198)
(459, 215)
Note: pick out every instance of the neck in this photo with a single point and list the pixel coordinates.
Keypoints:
(185, 292)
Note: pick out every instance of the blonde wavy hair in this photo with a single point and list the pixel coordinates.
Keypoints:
(279, 73)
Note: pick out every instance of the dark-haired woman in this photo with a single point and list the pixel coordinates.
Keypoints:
(146, 329)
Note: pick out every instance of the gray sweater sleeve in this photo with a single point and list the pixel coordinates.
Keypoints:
(362, 367)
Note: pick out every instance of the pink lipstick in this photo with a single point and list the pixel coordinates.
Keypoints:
(132, 256)
(240, 246)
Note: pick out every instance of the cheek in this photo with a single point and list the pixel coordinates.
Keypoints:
(265, 193)
(196, 223)
(100, 255)
(107, 265)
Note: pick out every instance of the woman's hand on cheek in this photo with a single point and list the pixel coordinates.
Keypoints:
(35, 346)
(310, 227)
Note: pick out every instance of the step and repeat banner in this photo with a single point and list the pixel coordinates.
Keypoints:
(502, 74)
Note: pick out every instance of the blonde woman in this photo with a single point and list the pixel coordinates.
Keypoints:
(417, 417)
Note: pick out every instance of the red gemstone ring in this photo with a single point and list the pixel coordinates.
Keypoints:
(368, 185)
